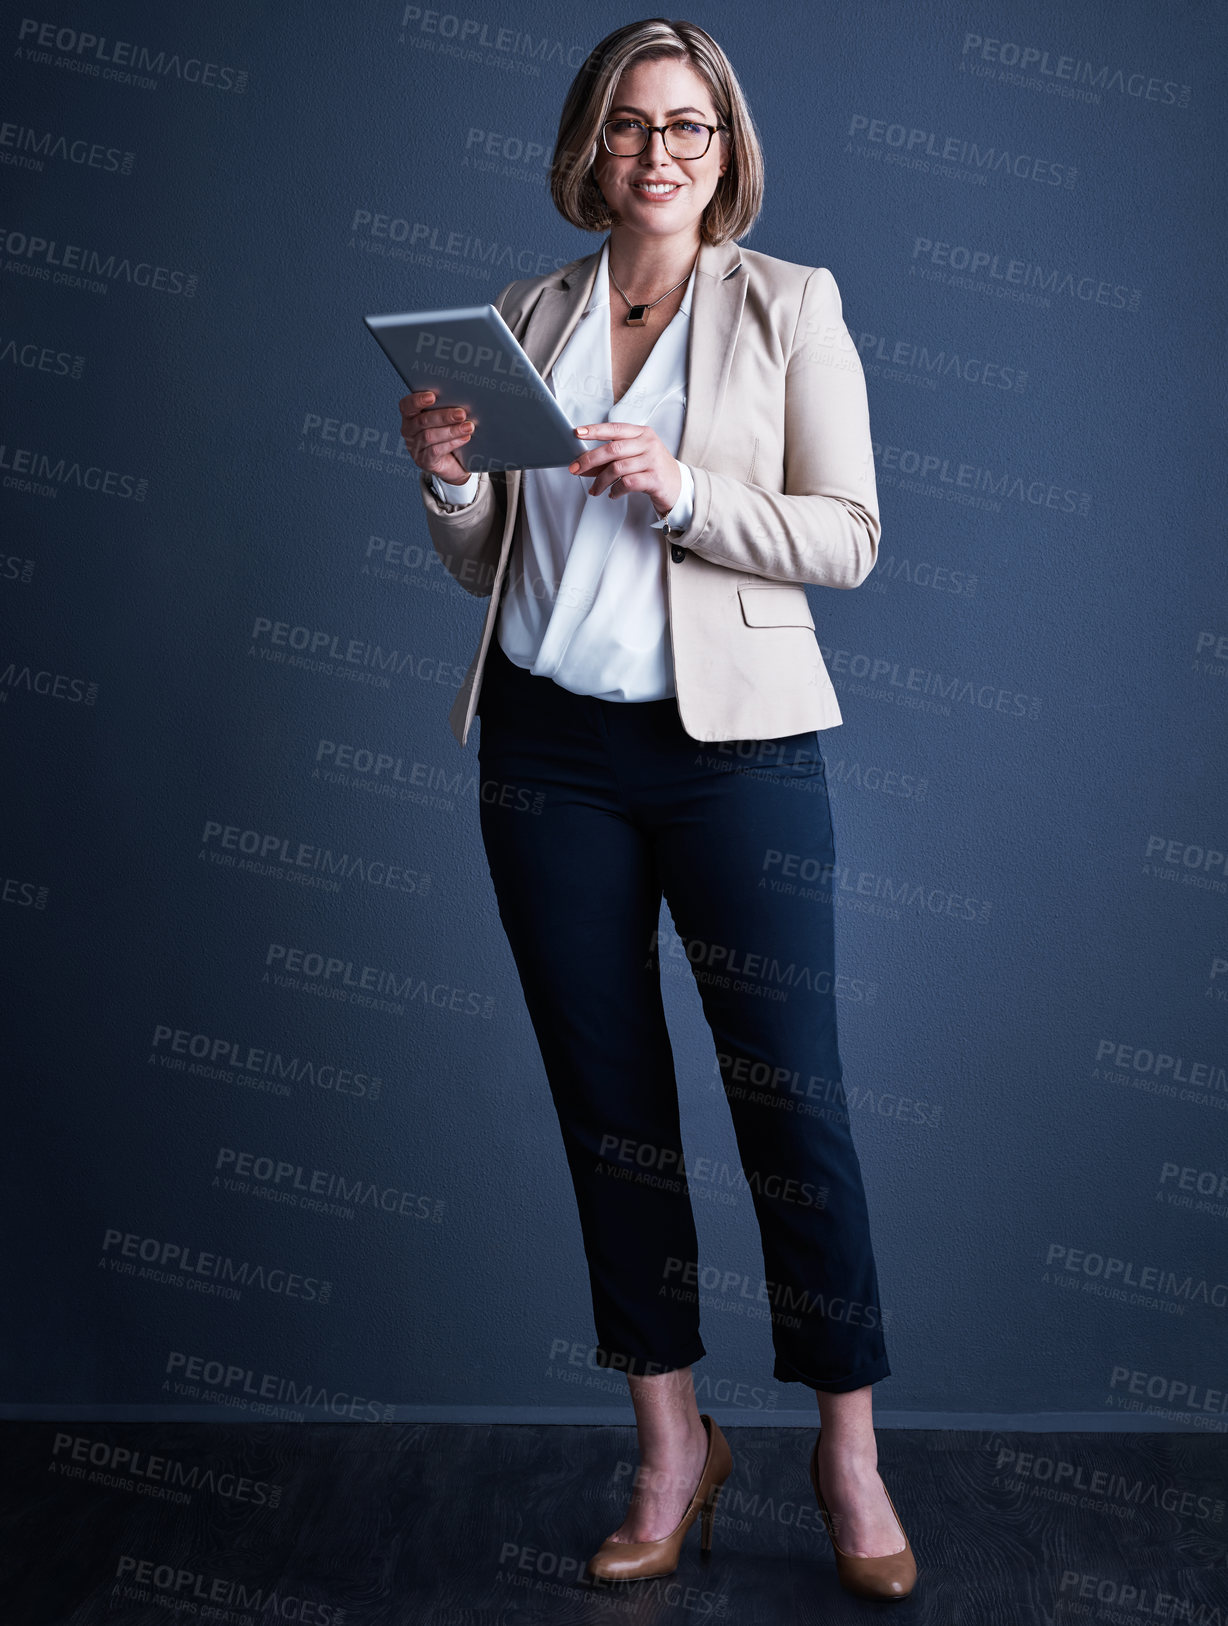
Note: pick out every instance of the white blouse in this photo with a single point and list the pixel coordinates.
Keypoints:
(586, 604)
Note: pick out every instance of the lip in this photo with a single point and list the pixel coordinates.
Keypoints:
(663, 197)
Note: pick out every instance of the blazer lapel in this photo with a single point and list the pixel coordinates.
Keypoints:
(716, 314)
(717, 300)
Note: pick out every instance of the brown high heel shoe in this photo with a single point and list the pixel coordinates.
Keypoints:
(638, 1560)
(890, 1575)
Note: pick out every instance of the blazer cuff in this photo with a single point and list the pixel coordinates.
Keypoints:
(680, 515)
(460, 495)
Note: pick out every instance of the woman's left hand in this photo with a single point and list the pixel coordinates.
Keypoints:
(632, 459)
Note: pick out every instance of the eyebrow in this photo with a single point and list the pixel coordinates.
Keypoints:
(624, 108)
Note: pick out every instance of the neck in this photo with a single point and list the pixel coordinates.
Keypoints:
(647, 266)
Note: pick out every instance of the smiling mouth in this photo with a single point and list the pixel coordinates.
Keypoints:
(657, 189)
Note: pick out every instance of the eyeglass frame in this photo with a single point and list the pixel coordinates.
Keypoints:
(652, 129)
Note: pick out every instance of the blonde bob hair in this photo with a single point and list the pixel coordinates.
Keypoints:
(734, 205)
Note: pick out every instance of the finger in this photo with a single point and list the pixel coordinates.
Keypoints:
(451, 437)
(440, 441)
(600, 431)
(606, 431)
(604, 473)
(436, 437)
(432, 417)
(609, 477)
(585, 462)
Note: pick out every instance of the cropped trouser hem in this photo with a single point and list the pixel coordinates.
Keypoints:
(638, 1366)
(874, 1372)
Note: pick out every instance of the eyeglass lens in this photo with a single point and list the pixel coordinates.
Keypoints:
(626, 137)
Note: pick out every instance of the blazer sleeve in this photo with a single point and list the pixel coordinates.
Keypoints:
(467, 537)
(824, 528)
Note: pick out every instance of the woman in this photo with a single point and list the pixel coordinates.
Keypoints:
(651, 691)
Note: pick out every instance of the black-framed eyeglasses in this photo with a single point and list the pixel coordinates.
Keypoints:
(683, 138)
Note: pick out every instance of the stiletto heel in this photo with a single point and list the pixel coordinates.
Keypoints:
(708, 1514)
(638, 1560)
(889, 1575)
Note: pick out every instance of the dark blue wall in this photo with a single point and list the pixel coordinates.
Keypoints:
(202, 469)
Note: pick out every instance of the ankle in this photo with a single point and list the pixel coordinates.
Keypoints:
(666, 1458)
(664, 1481)
(853, 1457)
(678, 1445)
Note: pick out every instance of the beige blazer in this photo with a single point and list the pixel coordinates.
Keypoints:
(777, 432)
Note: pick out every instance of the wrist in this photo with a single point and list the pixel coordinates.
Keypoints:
(662, 510)
(677, 519)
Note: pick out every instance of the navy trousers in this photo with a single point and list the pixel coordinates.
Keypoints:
(591, 810)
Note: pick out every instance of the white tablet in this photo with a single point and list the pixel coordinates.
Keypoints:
(472, 359)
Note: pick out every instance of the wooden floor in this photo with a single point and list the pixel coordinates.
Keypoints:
(448, 1525)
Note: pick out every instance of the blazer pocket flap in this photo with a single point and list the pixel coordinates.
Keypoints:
(775, 607)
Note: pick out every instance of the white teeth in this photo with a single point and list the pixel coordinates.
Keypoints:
(658, 189)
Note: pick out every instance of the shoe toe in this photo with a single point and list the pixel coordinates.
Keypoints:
(626, 1560)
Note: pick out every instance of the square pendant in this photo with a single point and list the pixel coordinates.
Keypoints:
(637, 316)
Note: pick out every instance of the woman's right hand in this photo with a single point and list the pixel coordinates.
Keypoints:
(433, 435)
